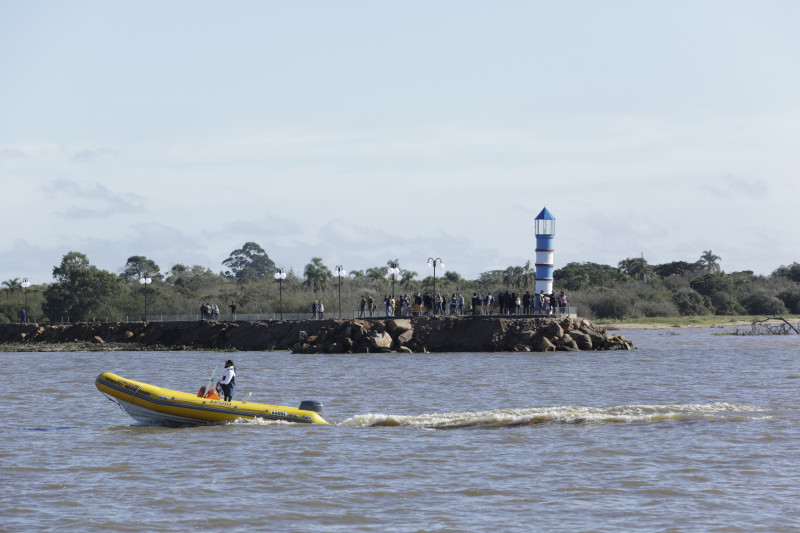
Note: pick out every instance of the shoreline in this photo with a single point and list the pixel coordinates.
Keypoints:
(690, 322)
(664, 325)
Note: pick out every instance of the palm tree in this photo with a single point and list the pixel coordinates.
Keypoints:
(316, 274)
(376, 273)
(710, 260)
(407, 277)
(13, 284)
(636, 267)
(511, 276)
(528, 275)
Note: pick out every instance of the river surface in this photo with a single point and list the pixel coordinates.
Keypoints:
(689, 432)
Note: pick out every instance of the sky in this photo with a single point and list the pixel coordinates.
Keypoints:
(362, 131)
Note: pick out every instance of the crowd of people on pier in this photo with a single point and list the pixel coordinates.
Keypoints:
(457, 304)
(419, 304)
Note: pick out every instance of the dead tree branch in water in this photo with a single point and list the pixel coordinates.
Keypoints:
(768, 326)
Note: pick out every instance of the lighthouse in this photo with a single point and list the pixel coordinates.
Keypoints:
(545, 234)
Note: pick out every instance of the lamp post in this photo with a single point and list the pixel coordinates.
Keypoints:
(393, 272)
(340, 273)
(280, 275)
(25, 285)
(145, 280)
(432, 264)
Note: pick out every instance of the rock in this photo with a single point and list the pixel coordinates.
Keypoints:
(302, 336)
(553, 330)
(334, 348)
(597, 338)
(405, 349)
(381, 340)
(398, 325)
(405, 337)
(616, 342)
(582, 340)
(567, 325)
(128, 335)
(527, 335)
(357, 333)
(544, 345)
(98, 340)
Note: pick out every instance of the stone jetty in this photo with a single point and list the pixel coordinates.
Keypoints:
(423, 334)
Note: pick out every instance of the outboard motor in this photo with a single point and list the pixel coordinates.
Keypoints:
(311, 405)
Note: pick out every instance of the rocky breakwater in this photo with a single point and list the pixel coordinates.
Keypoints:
(416, 334)
(459, 334)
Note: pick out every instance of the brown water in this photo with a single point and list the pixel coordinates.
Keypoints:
(691, 431)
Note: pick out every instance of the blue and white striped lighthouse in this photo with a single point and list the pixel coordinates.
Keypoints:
(545, 234)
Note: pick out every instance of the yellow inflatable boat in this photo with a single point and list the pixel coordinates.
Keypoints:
(155, 405)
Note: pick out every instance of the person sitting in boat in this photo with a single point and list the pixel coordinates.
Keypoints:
(228, 381)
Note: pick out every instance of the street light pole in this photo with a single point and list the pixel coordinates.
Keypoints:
(340, 273)
(145, 280)
(280, 275)
(25, 285)
(393, 272)
(432, 263)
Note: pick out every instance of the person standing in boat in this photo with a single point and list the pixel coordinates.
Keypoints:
(228, 381)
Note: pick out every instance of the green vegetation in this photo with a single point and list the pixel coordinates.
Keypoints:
(634, 291)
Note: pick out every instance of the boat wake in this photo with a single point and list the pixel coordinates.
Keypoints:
(506, 418)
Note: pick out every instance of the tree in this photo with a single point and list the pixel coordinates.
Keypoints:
(636, 267)
(177, 275)
(763, 303)
(711, 261)
(81, 291)
(677, 268)
(407, 277)
(791, 299)
(376, 273)
(138, 265)
(719, 288)
(191, 278)
(690, 302)
(492, 277)
(453, 276)
(249, 262)
(578, 276)
(356, 274)
(316, 274)
(13, 284)
(527, 275)
(791, 272)
(511, 276)
(611, 304)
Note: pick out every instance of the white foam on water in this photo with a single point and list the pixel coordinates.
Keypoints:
(621, 414)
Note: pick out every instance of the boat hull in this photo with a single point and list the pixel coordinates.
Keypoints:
(149, 404)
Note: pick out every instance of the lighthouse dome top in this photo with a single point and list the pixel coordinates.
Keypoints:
(545, 215)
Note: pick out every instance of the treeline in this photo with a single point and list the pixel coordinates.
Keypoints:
(81, 291)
